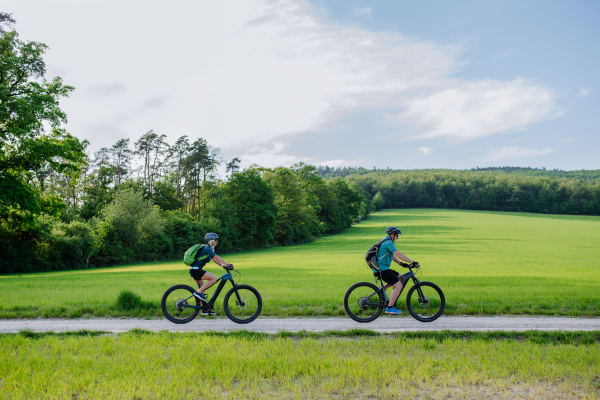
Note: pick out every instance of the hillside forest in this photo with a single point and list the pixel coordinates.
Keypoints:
(63, 207)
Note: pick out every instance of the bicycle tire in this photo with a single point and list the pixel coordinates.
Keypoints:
(438, 301)
(169, 306)
(252, 299)
(353, 306)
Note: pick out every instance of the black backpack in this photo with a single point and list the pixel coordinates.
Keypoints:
(371, 256)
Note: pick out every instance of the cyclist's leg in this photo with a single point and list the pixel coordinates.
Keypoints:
(395, 293)
(392, 278)
(210, 279)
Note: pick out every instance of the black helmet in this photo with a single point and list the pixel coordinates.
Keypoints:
(210, 236)
(392, 230)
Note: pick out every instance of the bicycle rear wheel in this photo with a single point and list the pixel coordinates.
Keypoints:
(362, 303)
(242, 304)
(425, 301)
(173, 301)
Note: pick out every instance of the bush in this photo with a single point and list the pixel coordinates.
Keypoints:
(131, 229)
(128, 300)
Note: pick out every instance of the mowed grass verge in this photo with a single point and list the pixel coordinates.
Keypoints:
(361, 364)
(486, 263)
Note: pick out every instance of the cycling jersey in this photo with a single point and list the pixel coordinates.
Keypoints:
(385, 255)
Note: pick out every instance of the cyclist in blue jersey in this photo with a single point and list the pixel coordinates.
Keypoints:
(386, 254)
(200, 275)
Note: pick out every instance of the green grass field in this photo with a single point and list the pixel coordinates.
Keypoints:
(486, 263)
(141, 365)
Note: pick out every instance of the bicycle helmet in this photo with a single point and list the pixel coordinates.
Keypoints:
(210, 236)
(392, 230)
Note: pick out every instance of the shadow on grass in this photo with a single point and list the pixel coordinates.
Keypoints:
(29, 334)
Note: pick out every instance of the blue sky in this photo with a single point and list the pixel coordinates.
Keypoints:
(397, 84)
(555, 44)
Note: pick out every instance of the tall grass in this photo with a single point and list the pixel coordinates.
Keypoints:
(486, 263)
(144, 365)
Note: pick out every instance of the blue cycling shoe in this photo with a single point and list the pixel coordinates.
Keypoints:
(200, 296)
(392, 310)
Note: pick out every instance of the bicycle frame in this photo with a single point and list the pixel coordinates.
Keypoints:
(211, 302)
(405, 280)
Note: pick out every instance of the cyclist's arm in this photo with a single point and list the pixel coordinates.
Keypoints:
(399, 256)
(218, 260)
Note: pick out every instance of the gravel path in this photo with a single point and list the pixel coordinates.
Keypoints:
(273, 325)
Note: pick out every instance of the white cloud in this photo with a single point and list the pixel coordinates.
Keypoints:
(359, 12)
(584, 92)
(469, 110)
(273, 155)
(244, 72)
(514, 152)
(425, 150)
(111, 89)
(268, 156)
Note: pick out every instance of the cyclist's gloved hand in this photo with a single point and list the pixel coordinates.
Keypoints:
(415, 264)
(228, 267)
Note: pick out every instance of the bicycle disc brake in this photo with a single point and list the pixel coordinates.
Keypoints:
(243, 305)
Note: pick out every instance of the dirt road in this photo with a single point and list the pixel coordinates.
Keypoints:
(273, 325)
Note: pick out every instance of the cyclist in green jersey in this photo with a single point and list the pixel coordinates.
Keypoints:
(198, 273)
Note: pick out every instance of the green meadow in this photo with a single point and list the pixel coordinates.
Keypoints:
(334, 365)
(485, 262)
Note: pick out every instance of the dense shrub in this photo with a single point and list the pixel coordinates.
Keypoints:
(131, 229)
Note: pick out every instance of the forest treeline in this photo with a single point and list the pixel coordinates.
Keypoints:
(153, 201)
(495, 190)
(328, 172)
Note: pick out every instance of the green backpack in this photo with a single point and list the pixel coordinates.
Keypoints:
(191, 254)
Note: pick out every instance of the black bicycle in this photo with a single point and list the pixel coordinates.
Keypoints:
(242, 303)
(425, 301)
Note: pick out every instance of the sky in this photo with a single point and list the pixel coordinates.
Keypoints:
(373, 83)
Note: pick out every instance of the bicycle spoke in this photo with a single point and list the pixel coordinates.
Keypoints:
(243, 304)
(426, 302)
(175, 302)
(362, 303)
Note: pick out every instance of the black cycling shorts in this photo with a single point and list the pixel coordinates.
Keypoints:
(197, 274)
(390, 276)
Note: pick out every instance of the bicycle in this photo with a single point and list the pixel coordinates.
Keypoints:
(242, 303)
(425, 301)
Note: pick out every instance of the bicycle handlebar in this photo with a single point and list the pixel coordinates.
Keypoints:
(405, 265)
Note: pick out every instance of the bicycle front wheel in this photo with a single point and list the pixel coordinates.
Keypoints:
(174, 301)
(363, 303)
(242, 304)
(425, 301)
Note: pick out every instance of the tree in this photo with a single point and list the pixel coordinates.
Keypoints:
(378, 201)
(233, 166)
(255, 210)
(151, 148)
(295, 220)
(178, 153)
(195, 163)
(28, 103)
(129, 228)
(121, 159)
(6, 22)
